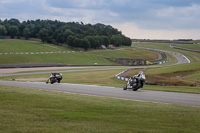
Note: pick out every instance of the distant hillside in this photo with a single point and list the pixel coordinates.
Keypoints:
(72, 33)
(29, 53)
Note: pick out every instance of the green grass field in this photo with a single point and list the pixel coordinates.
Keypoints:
(9, 45)
(34, 111)
(76, 58)
(193, 76)
(69, 58)
(196, 41)
(130, 53)
(175, 69)
(189, 46)
(27, 110)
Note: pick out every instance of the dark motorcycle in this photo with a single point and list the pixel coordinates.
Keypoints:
(135, 82)
(55, 77)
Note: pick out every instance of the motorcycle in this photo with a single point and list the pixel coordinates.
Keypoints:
(135, 82)
(55, 77)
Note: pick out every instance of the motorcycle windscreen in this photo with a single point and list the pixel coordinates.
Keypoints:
(143, 76)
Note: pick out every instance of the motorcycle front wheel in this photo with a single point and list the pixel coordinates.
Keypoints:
(125, 87)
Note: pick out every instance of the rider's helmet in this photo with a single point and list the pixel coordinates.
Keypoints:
(141, 72)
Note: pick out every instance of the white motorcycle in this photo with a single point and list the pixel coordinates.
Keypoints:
(135, 82)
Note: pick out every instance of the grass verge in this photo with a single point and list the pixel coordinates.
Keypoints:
(175, 69)
(75, 58)
(189, 46)
(26, 110)
(13, 45)
(131, 53)
(182, 89)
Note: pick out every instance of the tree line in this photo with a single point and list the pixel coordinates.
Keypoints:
(74, 34)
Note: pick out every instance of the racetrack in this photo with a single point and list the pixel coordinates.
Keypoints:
(114, 92)
(140, 95)
(181, 58)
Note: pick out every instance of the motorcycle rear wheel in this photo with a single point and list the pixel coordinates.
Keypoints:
(53, 80)
(137, 87)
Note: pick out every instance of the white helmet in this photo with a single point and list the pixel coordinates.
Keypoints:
(141, 72)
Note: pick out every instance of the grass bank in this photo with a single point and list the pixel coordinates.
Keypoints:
(189, 46)
(27, 52)
(13, 45)
(130, 53)
(26, 110)
(72, 58)
(175, 69)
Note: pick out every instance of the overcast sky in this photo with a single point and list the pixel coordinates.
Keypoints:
(137, 19)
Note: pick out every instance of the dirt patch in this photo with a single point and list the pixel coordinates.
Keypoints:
(46, 45)
(159, 57)
(170, 84)
(130, 72)
(171, 79)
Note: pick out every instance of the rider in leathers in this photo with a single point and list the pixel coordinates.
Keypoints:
(141, 78)
(57, 75)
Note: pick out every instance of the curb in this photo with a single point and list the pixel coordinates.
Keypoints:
(121, 78)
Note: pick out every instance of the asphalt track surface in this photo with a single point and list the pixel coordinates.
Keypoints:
(113, 92)
(180, 57)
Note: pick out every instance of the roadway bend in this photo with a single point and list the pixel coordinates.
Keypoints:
(113, 92)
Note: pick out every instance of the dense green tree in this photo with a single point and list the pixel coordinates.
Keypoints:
(14, 31)
(3, 30)
(26, 33)
(70, 40)
(75, 34)
(85, 44)
(14, 21)
(106, 41)
(98, 41)
(32, 29)
(91, 41)
(77, 42)
(127, 41)
(65, 35)
(43, 35)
